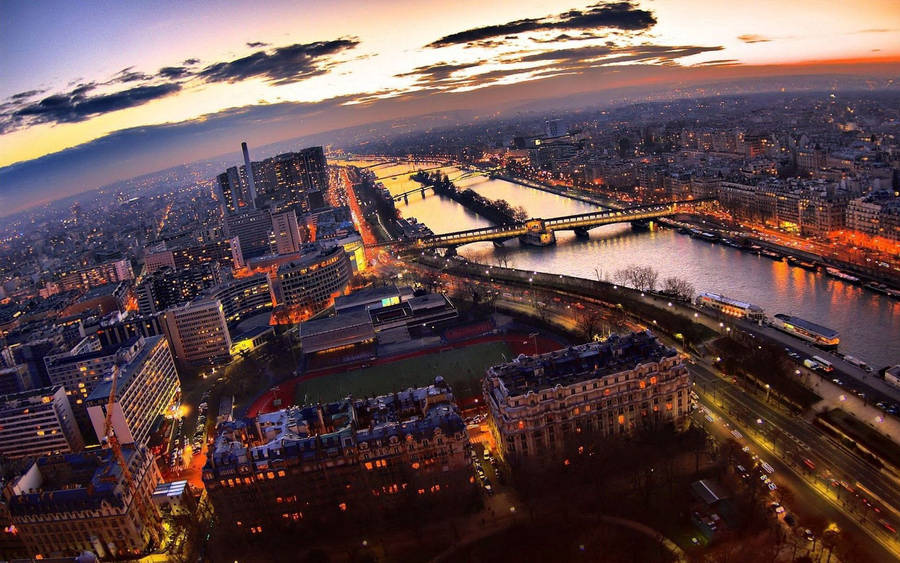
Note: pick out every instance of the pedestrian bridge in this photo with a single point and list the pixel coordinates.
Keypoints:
(540, 231)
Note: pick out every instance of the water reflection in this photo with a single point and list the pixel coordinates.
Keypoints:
(869, 323)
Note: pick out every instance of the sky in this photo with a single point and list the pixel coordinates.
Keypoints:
(93, 92)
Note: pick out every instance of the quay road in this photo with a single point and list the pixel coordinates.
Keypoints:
(792, 439)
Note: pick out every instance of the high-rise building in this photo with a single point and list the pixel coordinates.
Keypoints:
(231, 191)
(286, 232)
(38, 422)
(316, 463)
(542, 406)
(253, 230)
(64, 505)
(198, 332)
(79, 370)
(146, 385)
(251, 184)
(226, 251)
(167, 287)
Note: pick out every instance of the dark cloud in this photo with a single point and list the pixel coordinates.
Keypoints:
(754, 38)
(618, 15)
(565, 37)
(76, 105)
(127, 75)
(719, 62)
(282, 65)
(18, 97)
(172, 72)
(445, 77)
(438, 72)
(255, 44)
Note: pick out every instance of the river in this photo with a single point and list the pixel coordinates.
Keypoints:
(869, 323)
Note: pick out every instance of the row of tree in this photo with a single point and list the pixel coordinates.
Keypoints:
(645, 278)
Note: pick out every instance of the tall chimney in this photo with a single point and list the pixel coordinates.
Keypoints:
(251, 184)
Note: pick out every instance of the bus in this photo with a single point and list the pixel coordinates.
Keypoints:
(825, 364)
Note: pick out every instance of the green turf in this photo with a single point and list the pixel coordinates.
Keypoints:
(462, 368)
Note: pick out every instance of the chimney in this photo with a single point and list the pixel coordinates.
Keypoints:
(251, 184)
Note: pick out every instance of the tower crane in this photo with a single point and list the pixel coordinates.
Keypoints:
(109, 434)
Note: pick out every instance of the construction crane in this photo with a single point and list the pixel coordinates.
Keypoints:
(109, 434)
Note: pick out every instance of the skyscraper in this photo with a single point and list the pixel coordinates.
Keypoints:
(251, 184)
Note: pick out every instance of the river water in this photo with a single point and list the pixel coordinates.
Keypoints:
(869, 323)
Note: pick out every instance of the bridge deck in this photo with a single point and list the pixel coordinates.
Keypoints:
(569, 222)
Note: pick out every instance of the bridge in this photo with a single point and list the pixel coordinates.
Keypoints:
(540, 232)
(409, 172)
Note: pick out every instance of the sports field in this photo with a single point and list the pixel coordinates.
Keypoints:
(461, 368)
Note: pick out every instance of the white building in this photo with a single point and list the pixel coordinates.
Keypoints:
(146, 385)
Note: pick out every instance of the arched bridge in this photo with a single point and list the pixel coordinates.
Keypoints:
(539, 232)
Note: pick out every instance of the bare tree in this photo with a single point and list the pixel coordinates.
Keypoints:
(642, 278)
(678, 288)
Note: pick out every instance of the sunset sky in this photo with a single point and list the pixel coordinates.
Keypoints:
(210, 75)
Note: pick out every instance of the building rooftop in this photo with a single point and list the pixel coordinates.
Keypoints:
(324, 431)
(70, 482)
(372, 297)
(579, 363)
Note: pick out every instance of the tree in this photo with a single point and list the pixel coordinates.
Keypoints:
(678, 288)
(642, 278)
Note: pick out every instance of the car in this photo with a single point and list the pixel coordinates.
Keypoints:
(807, 533)
(776, 508)
(489, 488)
(772, 486)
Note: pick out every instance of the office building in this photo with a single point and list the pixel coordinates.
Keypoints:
(146, 385)
(116, 329)
(243, 297)
(314, 280)
(101, 274)
(38, 422)
(64, 505)
(198, 332)
(286, 232)
(546, 405)
(253, 230)
(316, 463)
(167, 287)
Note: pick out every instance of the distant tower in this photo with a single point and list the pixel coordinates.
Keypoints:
(251, 184)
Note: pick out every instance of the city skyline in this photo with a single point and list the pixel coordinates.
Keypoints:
(93, 100)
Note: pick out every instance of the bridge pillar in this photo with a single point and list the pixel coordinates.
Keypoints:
(581, 232)
(423, 193)
(451, 251)
(498, 243)
(641, 225)
(406, 199)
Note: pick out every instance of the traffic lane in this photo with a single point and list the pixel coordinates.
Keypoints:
(812, 437)
(807, 434)
(804, 497)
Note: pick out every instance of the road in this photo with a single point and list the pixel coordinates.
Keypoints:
(793, 439)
